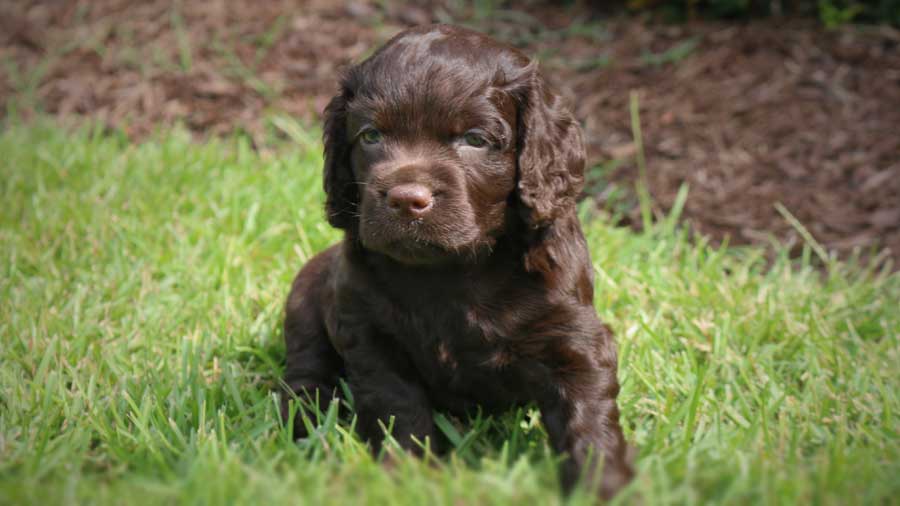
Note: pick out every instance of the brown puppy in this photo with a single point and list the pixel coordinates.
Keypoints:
(463, 278)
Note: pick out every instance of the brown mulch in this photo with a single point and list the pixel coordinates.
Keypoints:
(748, 115)
(759, 115)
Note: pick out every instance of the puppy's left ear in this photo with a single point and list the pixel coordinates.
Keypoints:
(550, 171)
(550, 153)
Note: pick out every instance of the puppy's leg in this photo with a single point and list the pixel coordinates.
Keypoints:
(384, 385)
(313, 366)
(312, 372)
(583, 420)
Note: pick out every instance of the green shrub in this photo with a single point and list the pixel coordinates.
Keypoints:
(830, 12)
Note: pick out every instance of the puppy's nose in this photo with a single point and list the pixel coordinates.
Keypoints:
(411, 199)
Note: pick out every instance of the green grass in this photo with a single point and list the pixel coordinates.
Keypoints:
(140, 305)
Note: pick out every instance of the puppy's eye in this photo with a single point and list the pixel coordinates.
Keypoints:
(370, 136)
(475, 139)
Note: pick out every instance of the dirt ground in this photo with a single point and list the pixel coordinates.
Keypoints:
(748, 115)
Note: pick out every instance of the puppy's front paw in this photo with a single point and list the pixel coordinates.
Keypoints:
(299, 428)
(614, 479)
(617, 474)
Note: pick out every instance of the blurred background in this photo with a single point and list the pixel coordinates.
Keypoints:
(750, 103)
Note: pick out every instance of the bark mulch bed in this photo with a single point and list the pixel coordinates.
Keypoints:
(748, 115)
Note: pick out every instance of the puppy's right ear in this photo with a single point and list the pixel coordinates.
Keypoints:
(342, 193)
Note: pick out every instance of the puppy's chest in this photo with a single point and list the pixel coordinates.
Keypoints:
(462, 356)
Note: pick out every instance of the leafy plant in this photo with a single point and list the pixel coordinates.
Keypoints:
(831, 13)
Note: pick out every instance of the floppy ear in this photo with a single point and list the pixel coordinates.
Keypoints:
(550, 153)
(342, 194)
(551, 174)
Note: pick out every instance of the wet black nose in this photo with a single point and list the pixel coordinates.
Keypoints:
(411, 199)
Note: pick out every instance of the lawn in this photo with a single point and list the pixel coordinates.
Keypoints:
(141, 290)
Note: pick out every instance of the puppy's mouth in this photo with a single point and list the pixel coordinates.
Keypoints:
(418, 242)
(406, 243)
(415, 252)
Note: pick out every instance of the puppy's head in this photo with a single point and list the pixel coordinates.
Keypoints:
(440, 141)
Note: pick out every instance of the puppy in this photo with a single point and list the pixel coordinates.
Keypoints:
(463, 279)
